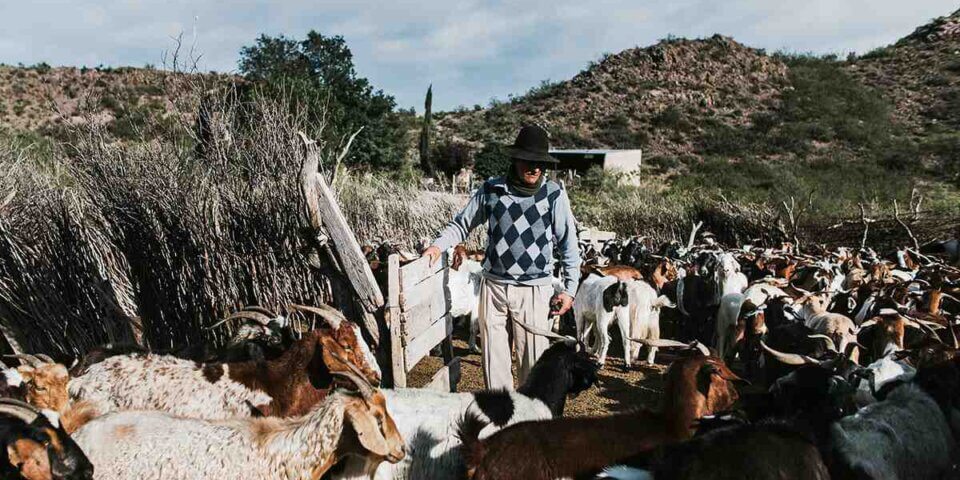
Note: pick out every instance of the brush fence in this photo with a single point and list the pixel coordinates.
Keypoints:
(418, 313)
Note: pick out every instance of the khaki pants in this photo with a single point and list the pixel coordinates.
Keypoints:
(529, 304)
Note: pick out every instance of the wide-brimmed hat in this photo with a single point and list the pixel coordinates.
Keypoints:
(532, 144)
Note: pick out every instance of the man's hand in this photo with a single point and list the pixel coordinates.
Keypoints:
(561, 304)
(433, 252)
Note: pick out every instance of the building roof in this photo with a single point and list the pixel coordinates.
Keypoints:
(595, 151)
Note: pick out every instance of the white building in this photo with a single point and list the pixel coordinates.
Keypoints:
(579, 161)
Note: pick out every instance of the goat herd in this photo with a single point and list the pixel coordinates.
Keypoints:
(831, 364)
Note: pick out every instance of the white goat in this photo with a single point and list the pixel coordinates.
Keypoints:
(601, 300)
(166, 383)
(644, 307)
(463, 280)
(729, 278)
(727, 315)
(155, 445)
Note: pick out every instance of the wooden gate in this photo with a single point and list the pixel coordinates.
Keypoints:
(418, 315)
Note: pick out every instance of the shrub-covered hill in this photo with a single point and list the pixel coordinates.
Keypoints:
(712, 114)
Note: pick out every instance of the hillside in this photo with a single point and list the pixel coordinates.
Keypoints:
(920, 74)
(45, 99)
(655, 97)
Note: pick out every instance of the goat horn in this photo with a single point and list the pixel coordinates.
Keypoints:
(830, 344)
(333, 316)
(258, 317)
(18, 409)
(45, 358)
(546, 333)
(26, 357)
(263, 310)
(354, 375)
(947, 295)
(790, 358)
(666, 343)
(868, 323)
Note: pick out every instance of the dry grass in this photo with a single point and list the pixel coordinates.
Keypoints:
(125, 242)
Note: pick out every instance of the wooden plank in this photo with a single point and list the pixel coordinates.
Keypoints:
(447, 378)
(323, 212)
(423, 293)
(420, 346)
(417, 319)
(394, 319)
(352, 260)
(419, 270)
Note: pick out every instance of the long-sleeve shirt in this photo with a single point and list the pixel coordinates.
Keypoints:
(523, 232)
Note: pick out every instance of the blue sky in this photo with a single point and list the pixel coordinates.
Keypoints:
(471, 51)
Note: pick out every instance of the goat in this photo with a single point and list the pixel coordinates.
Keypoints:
(728, 276)
(599, 301)
(463, 281)
(426, 418)
(42, 383)
(769, 450)
(644, 309)
(288, 385)
(838, 327)
(261, 335)
(728, 315)
(36, 445)
(157, 445)
(39, 381)
(695, 386)
(904, 436)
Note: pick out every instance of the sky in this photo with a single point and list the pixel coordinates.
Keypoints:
(470, 51)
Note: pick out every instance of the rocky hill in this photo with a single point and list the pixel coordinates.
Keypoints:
(715, 98)
(47, 100)
(920, 74)
(656, 97)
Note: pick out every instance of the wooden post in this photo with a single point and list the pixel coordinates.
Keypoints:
(322, 211)
(394, 320)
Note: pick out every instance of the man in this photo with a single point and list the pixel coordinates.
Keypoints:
(528, 217)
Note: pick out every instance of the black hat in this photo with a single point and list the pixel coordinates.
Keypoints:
(532, 144)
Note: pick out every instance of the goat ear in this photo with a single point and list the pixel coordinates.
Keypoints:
(366, 429)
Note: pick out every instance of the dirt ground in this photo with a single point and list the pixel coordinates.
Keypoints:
(618, 390)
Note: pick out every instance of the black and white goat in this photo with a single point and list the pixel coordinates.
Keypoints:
(428, 419)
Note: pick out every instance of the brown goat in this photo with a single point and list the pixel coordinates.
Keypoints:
(567, 447)
(43, 383)
(301, 377)
(622, 272)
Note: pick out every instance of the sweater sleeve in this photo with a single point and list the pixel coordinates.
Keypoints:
(565, 229)
(463, 223)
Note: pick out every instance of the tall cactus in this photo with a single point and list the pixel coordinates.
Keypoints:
(425, 162)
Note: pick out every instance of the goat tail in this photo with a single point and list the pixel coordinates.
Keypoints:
(472, 449)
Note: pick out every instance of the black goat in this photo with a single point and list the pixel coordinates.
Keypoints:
(37, 447)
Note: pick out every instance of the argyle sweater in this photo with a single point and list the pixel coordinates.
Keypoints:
(522, 233)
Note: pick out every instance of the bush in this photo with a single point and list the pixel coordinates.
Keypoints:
(671, 117)
(833, 105)
(616, 132)
(450, 156)
(491, 161)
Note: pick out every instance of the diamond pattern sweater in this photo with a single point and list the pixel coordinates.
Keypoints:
(523, 232)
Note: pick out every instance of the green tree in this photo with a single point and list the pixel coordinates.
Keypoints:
(318, 74)
(491, 161)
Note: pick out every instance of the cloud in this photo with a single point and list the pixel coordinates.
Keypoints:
(470, 50)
